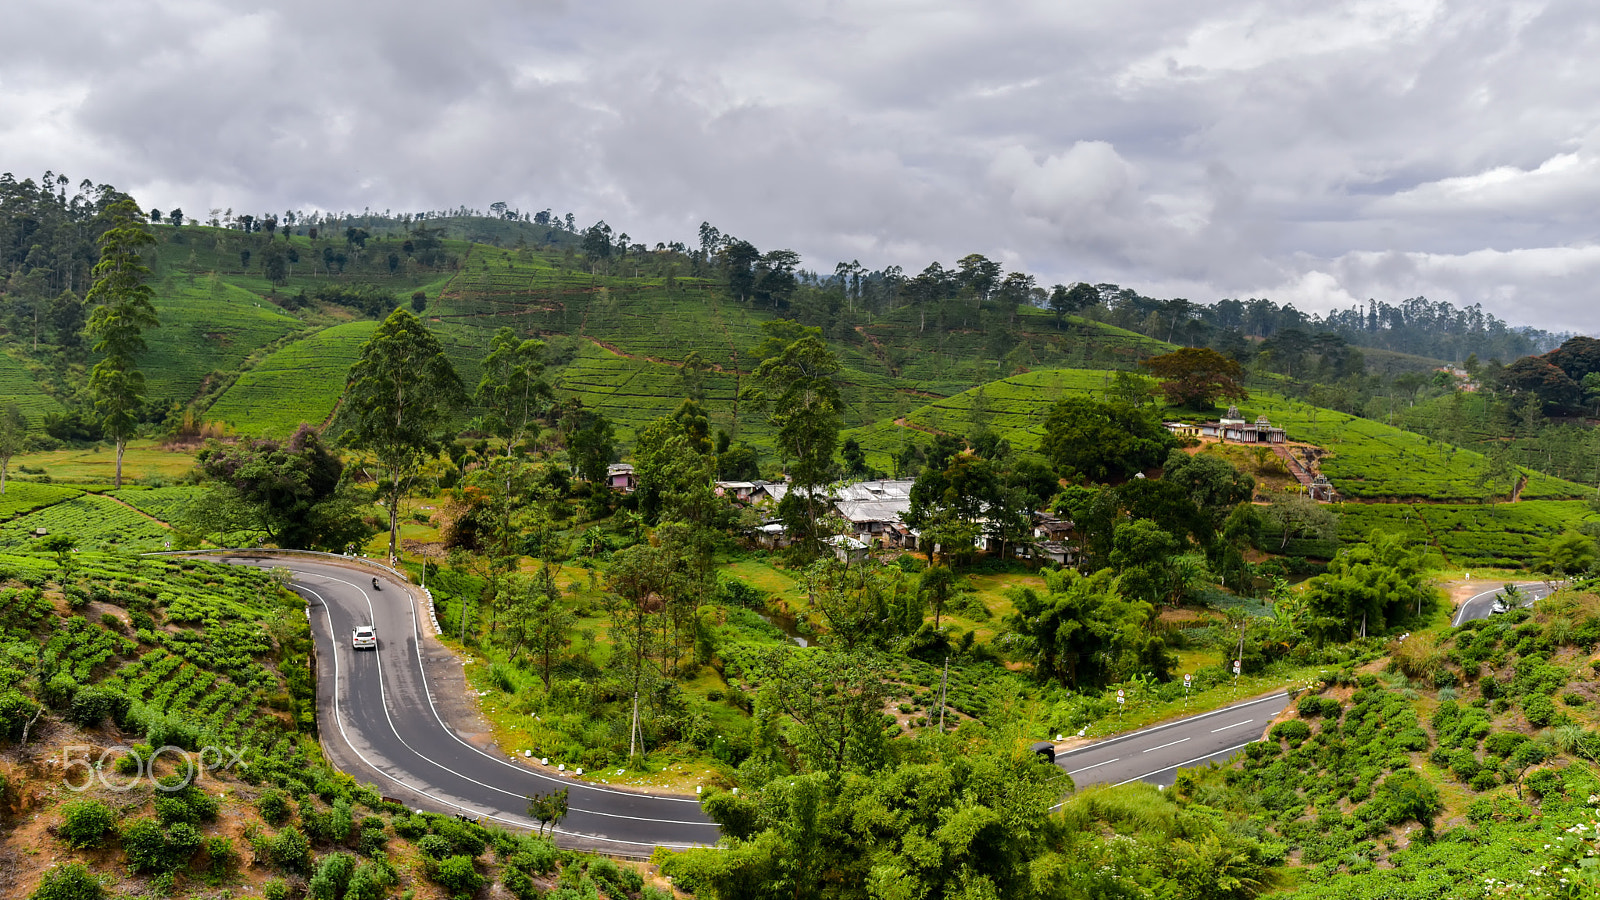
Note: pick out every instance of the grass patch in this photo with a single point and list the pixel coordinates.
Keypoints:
(97, 464)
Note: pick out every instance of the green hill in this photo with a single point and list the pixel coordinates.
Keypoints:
(208, 325)
(626, 332)
(1366, 459)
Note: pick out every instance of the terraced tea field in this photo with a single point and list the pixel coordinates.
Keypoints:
(25, 496)
(1461, 535)
(208, 325)
(300, 383)
(1367, 459)
(20, 386)
(95, 522)
(1371, 460)
(164, 503)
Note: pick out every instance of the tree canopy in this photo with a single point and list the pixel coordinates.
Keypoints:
(398, 404)
(1195, 377)
(1103, 442)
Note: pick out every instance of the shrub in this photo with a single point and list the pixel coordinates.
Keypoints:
(467, 837)
(96, 703)
(273, 805)
(187, 803)
(1406, 796)
(1539, 709)
(332, 878)
(16, 711)
(1293, 731)
(614, 878)
(519, 885)
(85, 824)
(69, 882)
(290, 851)
(434, 845)
(152, 850)
(221, 859)
(410, 827)
(1311, 707)
(1545, 782)
(1503, 743)
(274, 889)
(457, 875)
(145, 846)
(535, 855)
(340, 820)
(371, 881)
(372, 837)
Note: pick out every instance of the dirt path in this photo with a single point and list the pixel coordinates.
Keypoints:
(905, 423)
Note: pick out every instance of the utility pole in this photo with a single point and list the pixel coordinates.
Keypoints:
(633, 728)
(944, 681)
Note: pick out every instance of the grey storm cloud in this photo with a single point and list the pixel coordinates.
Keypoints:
(1319, 154)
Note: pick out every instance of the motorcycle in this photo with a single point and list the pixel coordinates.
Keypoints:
(375, 585)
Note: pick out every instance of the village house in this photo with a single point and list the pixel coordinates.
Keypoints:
(739, 491)
(620, 477)
(876, 510)
(846, 548)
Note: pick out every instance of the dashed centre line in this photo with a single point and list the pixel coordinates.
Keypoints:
(1164, 746)
(1095, 766)
(1234, 725)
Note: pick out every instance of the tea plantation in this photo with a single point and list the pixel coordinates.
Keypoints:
(299, 383)
(94, 522)
(20, 386)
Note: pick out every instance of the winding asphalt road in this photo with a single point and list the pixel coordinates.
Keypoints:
(380, 720)
(1478, 606)
(1155, 754)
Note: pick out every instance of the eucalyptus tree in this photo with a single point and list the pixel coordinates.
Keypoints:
(797, 389)
(398, 406)
(123, 308)
(512, 391)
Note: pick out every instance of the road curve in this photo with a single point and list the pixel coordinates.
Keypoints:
(1155, 754)
(380, 721)
(1478, 606)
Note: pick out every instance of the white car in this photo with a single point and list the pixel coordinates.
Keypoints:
(365, 637)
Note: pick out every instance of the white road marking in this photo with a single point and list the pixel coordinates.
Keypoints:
(1188, 763)
(1184, 721)
(1095, 766)
(1164, 746)
(1234, 725)
(339, 718)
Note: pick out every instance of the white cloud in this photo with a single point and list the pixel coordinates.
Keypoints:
(1349, 149)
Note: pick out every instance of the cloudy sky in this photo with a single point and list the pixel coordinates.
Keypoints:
(1319, 153)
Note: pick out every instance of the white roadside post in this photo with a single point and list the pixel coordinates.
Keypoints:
(1236, 678)
(1120, 701)
(1187, 681)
